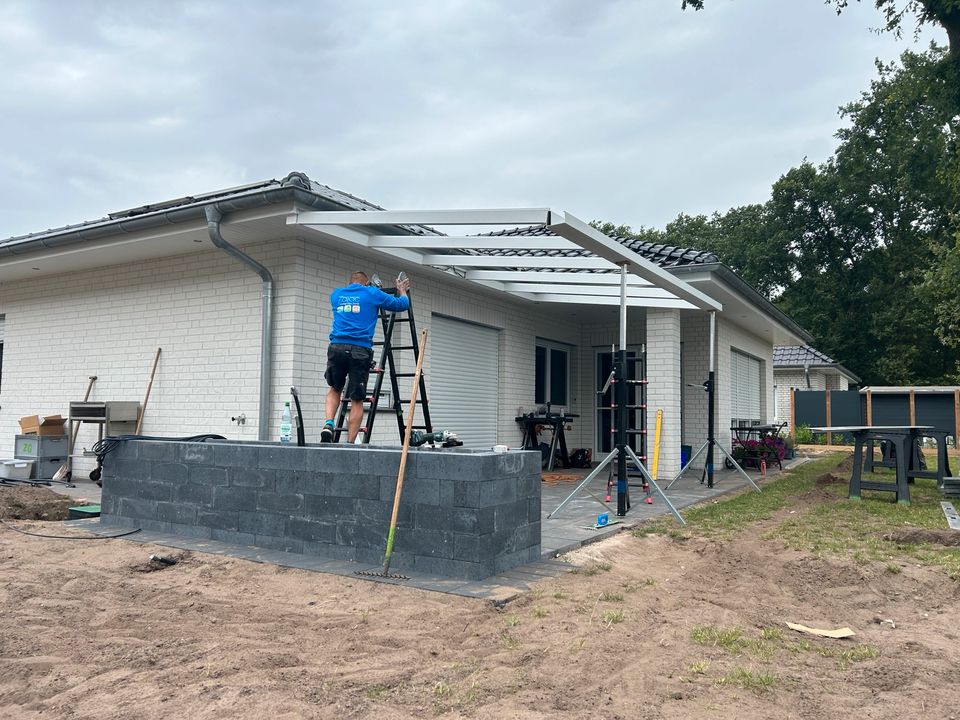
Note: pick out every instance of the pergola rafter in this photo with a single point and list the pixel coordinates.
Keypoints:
(576, 265)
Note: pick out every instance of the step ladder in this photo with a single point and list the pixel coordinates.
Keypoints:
(390, 344)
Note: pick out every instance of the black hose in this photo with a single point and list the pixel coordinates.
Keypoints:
(67, 537)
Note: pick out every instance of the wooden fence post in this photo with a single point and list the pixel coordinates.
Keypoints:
(869, 407)
(913, 407)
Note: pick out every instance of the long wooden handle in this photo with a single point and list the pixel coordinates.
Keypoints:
(143, 408)
(403, 454)
(73, 423)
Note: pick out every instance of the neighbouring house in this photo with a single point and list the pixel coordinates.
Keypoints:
(801, 367)
(233, 285)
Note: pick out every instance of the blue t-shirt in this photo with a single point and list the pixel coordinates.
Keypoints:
(355, 312)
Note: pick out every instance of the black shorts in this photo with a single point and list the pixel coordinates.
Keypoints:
(351, 361)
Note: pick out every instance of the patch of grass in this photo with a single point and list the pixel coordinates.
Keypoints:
(645, 529)
(634, 585)
(612, 617)
(536, 594)
(513, 621)
(700, 668)
(509, 641)
(748, 680)
(611, 597)
(377, 692)
(730, 639)
(442, 689)
(591, 570)
(894, 569)
(559, 595)
(846, 656)
(540, 612)
(771, 633)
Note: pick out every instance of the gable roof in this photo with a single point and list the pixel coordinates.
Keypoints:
(793, 356)
(665, 256)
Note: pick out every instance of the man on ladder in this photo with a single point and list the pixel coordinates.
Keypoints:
(350, 354)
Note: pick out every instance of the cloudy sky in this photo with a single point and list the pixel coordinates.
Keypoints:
(623, 110)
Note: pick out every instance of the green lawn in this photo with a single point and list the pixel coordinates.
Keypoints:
(826, 521)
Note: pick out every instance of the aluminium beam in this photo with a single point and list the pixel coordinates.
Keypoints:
(611, 300)
(580, 278)
(599, 291)
(589, 238)
(505, 216)
(496, 261)
(471, 242)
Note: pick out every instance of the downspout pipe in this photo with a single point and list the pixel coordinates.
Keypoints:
(214, 218)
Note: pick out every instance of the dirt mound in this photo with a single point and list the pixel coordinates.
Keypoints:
(33, 503)
(846, 465)
(829, 479)
(919, 536)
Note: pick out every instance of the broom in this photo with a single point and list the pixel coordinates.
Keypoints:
(403, 467)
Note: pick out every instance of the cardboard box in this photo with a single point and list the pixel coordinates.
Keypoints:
(36, 425)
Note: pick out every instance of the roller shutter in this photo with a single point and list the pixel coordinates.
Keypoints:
(744, 388)
(464, 380)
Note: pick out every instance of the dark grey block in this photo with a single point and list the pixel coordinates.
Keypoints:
(510, 515)
(197, 452)
(418, 490)
(220, 520)
(519, 557)
(301, 529)
(133, 469)
(336, 460)
(234, 498)
(272, 502)
(260, 523)
(358, 486)
(334, 552)
(109, 504)
(206, 475)
(378, 513)
(466, 493)
(283, 457)
(284, 544)
(360, 535)
(534, 509)
(498, 492)
(175, 512)
(232, 455)
(231, 536)
(191, 531)
(467, 548)
(193, 494)
(379, 462)
(301, 481)
(252, 477)
(156, 450)
(323, 507)
(128, 450)
(135, 507)
(444, 567)
(170, 472)
(430, 543)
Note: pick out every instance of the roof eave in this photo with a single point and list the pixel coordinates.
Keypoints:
(750, 293)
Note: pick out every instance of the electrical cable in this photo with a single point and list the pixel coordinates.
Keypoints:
(67, 537)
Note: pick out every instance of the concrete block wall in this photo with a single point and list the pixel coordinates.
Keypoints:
(663, 390)
(462, 514)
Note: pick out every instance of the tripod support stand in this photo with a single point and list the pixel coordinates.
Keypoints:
(619, 379)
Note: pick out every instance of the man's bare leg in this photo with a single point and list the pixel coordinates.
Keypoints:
(354, 419)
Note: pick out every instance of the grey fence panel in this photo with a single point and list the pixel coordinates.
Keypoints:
(891, 409)
(845, 408)
(936, 410)
(810, 408)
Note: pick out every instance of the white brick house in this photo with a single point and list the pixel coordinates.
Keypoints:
(801, 367)
(99, 298)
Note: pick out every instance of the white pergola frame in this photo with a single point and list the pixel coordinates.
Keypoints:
(544, 279)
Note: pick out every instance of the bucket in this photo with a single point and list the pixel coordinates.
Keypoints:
(685, 452)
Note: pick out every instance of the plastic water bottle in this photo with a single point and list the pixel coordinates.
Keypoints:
(285, 423)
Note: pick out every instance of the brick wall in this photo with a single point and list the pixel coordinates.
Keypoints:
(663, 391)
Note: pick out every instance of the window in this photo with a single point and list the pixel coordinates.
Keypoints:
(552, 374)
(744, 389)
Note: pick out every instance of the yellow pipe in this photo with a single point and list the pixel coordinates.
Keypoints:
(656, 445)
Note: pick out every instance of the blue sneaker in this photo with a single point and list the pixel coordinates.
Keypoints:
(326, 434)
